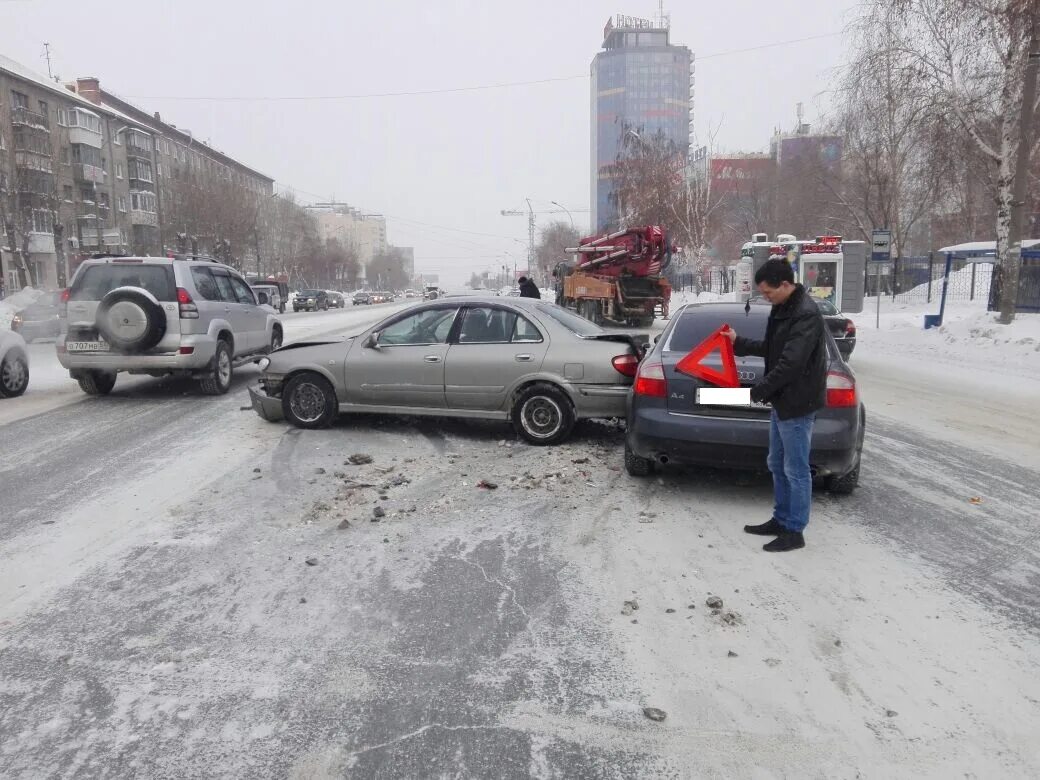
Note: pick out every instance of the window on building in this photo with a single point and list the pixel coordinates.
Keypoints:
(117, 138)
(43, 221)
(119, 170)
(122, 203)
(67, 193)
(19, 100)
(102, 198)
(60, 114)
(86, 193)
(44, 108)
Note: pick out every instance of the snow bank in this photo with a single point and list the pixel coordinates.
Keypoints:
(15, 303)
(959, 280)
(969, 335)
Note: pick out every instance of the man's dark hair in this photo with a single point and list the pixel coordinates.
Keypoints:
(774, 273)
(522, 279)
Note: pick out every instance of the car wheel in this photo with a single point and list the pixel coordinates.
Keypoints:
(218, 380)
(14, 375)
(543, 415)
(97, 382)
(308, 401)
(637, 466)
(276, 340)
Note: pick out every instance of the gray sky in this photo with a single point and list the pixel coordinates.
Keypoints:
(446, 160)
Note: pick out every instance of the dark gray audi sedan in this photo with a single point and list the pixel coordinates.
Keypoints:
(668, 424)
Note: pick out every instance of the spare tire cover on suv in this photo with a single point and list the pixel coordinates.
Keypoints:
(131, 319)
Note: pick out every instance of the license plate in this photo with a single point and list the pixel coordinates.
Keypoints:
(724, 396)
(88, 346)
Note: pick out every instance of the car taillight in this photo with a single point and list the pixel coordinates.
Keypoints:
(65, 295)
(650, 381)
(63, 300)
(850, 328)
(841, 390)
(626, 365)
(189, 311)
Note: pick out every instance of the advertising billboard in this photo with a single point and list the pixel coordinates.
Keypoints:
(739, 175)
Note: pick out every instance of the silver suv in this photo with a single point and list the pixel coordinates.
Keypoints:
(160, 316)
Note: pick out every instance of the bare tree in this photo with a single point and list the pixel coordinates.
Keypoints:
(552, 246)
(970, 60)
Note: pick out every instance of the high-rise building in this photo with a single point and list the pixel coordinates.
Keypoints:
(640, 81)
(365, 233)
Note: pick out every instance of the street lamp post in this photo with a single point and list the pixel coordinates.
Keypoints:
(569, 215)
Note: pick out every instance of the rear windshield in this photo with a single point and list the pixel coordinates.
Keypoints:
(96, 281)
(571, 321)
(696, 324)
(826, 307)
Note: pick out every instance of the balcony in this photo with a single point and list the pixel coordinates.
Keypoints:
(88, 210)
(41, 243)
(138, 217)
(85, 172)
(134, 150)
(86, 136)
(32, 161)
(23, 116)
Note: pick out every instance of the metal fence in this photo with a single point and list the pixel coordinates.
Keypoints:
(919, 279)
(1028, 284)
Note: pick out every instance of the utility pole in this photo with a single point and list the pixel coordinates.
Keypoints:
(1020, 191)
(47, 56)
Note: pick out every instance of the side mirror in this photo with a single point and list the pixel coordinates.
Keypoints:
(372, 342)
(262, 297)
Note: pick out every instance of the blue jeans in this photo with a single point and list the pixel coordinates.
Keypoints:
(788, 462)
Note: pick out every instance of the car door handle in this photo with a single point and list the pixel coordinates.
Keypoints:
(523, 358)
(432, 358)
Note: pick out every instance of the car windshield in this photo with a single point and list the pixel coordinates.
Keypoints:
(696, 323)
(309, 293)
(574, 323)
(95, 281)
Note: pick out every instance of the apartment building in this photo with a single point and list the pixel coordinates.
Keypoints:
(83, 172)
(352, 227)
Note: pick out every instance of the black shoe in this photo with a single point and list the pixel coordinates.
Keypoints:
(787, 540)
(771, 527)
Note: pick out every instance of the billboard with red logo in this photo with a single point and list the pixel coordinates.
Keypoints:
(740, 175)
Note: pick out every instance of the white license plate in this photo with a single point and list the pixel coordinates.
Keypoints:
(88, 346)
(724, 396)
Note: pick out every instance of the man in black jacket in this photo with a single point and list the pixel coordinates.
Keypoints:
(795, 383)
(528, 289)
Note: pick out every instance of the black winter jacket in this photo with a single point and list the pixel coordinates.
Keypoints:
(795, 350)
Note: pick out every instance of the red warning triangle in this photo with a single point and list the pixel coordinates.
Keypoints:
(692, 364)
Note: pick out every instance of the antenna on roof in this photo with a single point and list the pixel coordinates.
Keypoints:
(47, 55)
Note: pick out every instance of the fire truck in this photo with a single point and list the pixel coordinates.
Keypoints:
(618, 277)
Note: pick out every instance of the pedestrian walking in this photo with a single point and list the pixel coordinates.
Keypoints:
(795, 384)
(528, 289)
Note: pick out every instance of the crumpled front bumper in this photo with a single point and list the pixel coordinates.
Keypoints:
(264, 405)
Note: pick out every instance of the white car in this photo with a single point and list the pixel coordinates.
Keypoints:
(14, 364)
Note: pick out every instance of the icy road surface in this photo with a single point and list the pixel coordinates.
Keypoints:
(177, 598)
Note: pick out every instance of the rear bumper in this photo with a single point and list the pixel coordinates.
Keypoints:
(205, 348)
(656, 434)
(264, 405)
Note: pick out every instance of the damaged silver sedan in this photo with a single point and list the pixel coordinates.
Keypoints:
(539, 365)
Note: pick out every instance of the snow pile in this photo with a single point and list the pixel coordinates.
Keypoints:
(969, 335)
(15, 303)
(959, 280)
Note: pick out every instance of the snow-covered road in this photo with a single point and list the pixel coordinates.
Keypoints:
(159, 617)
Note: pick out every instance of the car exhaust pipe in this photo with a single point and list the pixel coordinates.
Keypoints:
(662, 459)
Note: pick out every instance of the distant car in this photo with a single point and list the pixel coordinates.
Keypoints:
(840, 325)
(529, 361)
(361, 299)
(514, 293)
(667, 423)
(380, 296)
(311, 300)
(411, 294)
(39, 320)
(14, 364)
(269, 295)
(432, 293)
(336, 300)
(162, 316)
